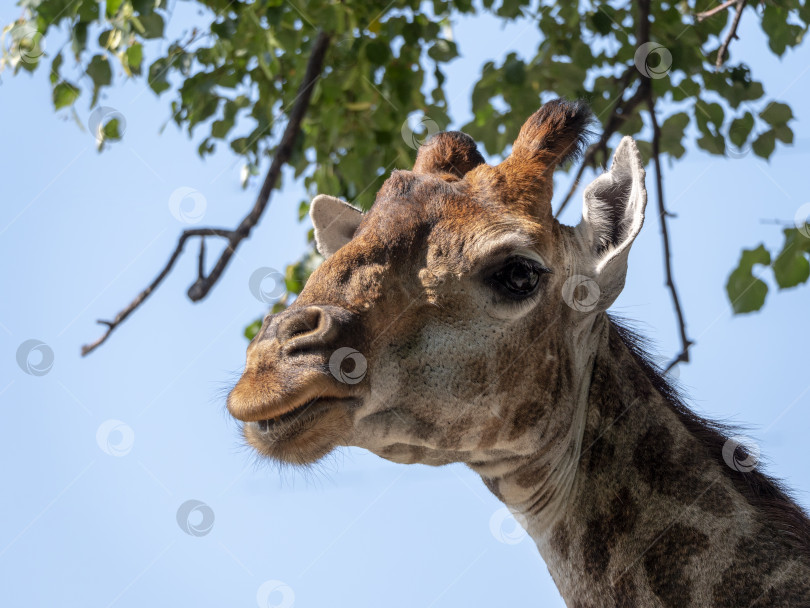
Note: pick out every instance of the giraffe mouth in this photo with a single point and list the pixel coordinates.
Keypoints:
(304, 434)
(307, 409)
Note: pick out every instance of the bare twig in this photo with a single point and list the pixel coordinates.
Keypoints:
(586, 161)
(201, 259)
(683, 356)
(732, 33)
(643, 35)
(202, 286)
(717, 9)
(139, 299)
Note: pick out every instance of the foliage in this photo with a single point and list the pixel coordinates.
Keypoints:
(232, 78)
(790, 266)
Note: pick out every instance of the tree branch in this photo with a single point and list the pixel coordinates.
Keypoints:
(683, 356)
(139, 299)
(204, 283)
(732, 33)
(643, 36)
(717, 9)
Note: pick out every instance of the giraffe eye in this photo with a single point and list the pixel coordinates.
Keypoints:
(518, 277)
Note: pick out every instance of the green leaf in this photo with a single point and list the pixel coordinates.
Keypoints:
(740, 129)
(87, 10)
(777, 114)
(601, 21)
(303, 209)
(685, 89)
(764, 144)
(152, 25)
(158, 72)
(791, 266)
(56, 65)
(443, 51)
(672, 131)
(112, 7)
(111, 130)
(784, 134)
(711, 112)
(514, 71)
(781, 33)
(745, 291)
(64, 94)
(378, 52)
(253, 329)
(713, 144)
(100, 73)
(134, 58)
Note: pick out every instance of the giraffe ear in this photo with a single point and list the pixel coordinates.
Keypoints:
(335, 222)
(612, 215)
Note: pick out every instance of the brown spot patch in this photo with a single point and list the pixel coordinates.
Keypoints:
(672, 472)
(489, 433)
(624, 593)
(600, 455)
(603, 533)
(560, 541)
(665, 562)
(532, 474)
(524, 416)
(717, 501)
(764, 573)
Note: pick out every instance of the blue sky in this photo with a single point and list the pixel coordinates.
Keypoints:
(82, 232)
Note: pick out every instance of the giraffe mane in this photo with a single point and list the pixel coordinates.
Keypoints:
(763, 492)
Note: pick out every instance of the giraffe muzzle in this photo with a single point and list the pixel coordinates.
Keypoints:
(301, 382)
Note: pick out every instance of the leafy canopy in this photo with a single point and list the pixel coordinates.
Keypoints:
(231, 79)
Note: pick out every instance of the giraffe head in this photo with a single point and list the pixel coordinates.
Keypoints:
(446, 323)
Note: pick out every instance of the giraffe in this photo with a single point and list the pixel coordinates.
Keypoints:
(459, 321)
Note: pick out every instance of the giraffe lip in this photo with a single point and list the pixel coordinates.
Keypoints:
(309, 407)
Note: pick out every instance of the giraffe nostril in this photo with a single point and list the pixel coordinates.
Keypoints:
(305, 329)
(299, 323)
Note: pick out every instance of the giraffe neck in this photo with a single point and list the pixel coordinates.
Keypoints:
(640, 511)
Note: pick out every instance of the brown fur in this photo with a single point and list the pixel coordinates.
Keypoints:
(453, 154)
